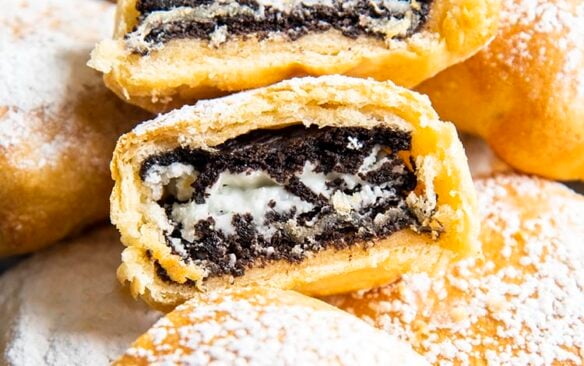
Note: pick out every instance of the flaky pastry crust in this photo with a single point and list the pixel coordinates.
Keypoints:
(326, 101)
(184, 70)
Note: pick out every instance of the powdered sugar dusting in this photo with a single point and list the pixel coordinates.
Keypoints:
(265, 328)
(44, 46)
(539, 35)
(21, 133)
(64, 306)
(39, 41)
(520, 304)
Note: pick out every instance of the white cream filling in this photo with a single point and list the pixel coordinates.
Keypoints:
(252, 192)
(389, 27)
(346, 203)
(176, 177)
(232, 194)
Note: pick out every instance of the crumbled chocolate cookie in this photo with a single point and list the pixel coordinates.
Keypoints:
(306, 189)
(260, 18)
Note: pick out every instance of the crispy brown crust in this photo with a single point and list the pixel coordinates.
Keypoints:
(42, 205)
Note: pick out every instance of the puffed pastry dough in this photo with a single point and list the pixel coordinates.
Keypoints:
(520, 304)
(261, 326)
(58, 123)
(524, 93)
(169, 53)
(321, 185)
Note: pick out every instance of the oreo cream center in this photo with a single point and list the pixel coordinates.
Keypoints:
(283, 195)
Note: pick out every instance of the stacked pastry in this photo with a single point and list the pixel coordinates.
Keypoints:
(520, 302)
(235, 210)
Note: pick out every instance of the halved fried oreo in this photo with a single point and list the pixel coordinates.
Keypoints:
(166, 53)
(320, 185)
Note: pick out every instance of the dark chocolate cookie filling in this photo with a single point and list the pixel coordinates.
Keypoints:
(352, 19)
(337, 155)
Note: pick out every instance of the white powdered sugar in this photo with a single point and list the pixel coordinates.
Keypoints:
(538, 35)
(520, 304)
(41, 46)
(268, 328)
(44, 46)
(64, 306)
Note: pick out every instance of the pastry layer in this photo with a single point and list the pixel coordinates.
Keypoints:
(528, 82)
(219, 20)
(204, 49)
(206, 160)
(58, 123)
(520, 303)
(284, 194)
(264, 326)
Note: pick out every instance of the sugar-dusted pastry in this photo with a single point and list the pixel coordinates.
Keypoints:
(168, 53)
(521, 304)
(320, 185)
(524, 93)
(58, 123)
(261, 326)
(63, 306)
